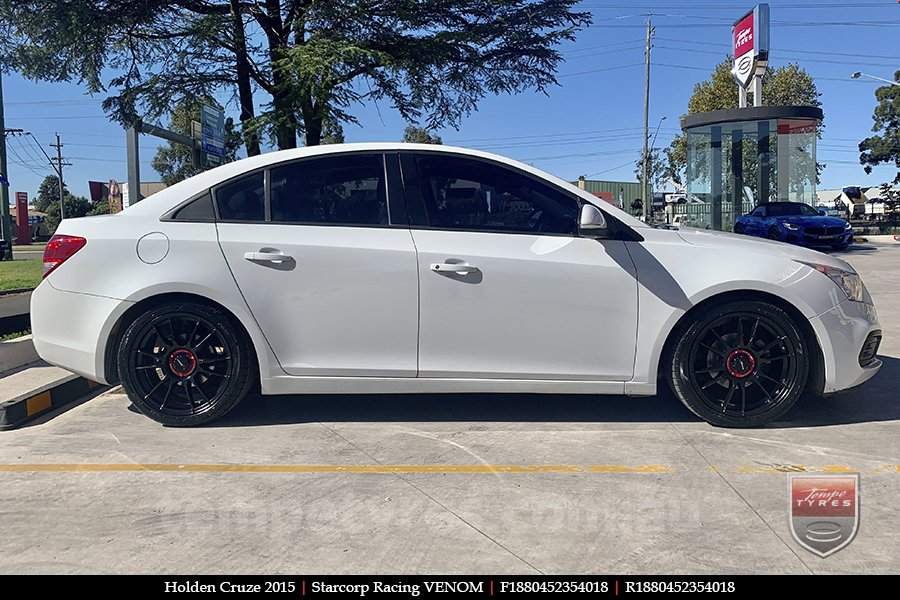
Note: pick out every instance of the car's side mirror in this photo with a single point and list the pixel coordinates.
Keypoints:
(823, 212)
(591, 222)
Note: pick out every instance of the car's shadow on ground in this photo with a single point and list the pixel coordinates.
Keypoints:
(874, 401)
(861, 248)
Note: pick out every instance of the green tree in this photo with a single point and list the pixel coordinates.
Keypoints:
(420, 135)
(75, 206)
(174, 162)
(48, 194)
(784, 86)
(312, 59)
(332, 132)
(884, 147)
(656, 169)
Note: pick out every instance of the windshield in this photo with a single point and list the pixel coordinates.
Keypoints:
(791, 209)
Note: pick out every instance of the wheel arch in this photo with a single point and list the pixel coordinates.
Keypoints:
(816, 380)
(110, 363)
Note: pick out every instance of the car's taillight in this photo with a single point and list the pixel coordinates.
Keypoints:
(59, 249)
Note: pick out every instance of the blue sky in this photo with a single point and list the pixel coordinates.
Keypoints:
(591, 124)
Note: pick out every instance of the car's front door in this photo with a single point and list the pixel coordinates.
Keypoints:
(325, 264)
(507, 287)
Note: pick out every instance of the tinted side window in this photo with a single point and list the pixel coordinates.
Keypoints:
(759, 212)
(337, 190)
(462, 193)
(200, 209)
(242, 199)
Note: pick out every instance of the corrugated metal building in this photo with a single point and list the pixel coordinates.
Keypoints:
(618, 193)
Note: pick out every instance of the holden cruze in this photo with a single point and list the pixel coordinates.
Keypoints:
(394, 268)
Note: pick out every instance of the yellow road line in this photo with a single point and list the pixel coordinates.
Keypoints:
(749, 469)
(256, 468)
(225, 468)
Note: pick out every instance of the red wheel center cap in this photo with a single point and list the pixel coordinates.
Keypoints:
(740, 363)
(182, 362)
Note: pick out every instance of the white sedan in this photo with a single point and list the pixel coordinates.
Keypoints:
(394, 268)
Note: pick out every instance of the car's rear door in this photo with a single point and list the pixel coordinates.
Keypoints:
(508, 289)
(322, 253)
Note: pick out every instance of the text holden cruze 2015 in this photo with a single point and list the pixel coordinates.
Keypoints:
(395, 268)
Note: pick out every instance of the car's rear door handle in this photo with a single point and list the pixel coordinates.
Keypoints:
(275, 257)
(459, 268)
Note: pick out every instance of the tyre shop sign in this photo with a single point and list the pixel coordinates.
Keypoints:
(750, 41)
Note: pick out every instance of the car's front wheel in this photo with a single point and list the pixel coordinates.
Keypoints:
(773, 234)
(739, 364)
(739, 228)
(184, 364)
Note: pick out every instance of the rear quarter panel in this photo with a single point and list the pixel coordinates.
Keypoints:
(109, 265)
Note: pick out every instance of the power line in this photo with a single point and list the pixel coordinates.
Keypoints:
(727, 48)
(600, 70)
(720, 6)
(818, 60)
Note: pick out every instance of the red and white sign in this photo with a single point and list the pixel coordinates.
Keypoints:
(750, 42)
(23, 235)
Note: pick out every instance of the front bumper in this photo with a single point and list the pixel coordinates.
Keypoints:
(843, 331)
(804, 239)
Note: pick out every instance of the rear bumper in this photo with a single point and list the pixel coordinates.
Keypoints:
(842, 332)
(70, 330)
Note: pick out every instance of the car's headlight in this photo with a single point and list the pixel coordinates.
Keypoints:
(848, 226)
(791, 227)
(848, 281)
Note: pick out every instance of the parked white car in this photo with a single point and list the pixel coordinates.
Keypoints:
(393, 268)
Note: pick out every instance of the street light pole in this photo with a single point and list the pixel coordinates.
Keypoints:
(857, 75)
(645, 186)
(5, 229)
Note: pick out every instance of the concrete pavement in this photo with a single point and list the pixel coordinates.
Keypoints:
(452, 483)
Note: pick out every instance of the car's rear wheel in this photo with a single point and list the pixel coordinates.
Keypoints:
(739, 228)
(184, 364)
(773, 234)
(739, 364)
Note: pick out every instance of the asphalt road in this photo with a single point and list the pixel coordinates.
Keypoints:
(452, 484)
(14, 304)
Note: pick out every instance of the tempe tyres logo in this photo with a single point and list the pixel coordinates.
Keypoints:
(824, 511)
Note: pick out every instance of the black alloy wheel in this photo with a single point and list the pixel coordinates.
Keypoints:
(774, 235)
(185, 364)
(739, 228)
(740, 364)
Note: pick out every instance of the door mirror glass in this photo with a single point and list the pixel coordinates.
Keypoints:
(591, 221)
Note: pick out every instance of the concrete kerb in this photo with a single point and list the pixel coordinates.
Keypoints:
(35, 403)
(19, 354)
(15, 291)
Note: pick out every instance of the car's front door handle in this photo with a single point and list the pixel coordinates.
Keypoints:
(460, 268)
(275, 257)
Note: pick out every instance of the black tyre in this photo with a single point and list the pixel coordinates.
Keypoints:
(739, 364)
(843, 246)
(774, 235)
(185, 364)
(739, 228)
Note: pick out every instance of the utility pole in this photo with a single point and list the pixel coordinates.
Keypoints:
(645, 185)
(59, 166)
(5, 229)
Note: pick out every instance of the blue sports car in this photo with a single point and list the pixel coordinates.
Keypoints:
(795, 223)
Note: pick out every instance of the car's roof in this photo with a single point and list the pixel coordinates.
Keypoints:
(163, 201)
